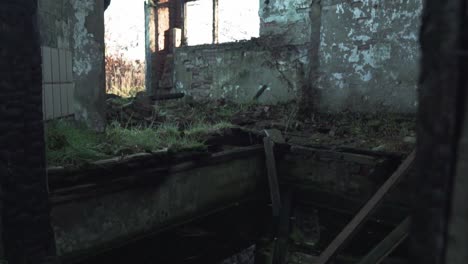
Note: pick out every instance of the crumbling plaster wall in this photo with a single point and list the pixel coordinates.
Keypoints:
(89, 62)
(358, 56)
(369, 55)
(72, 40)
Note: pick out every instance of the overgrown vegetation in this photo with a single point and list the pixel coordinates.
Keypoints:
(136, 127)
(124, 76)
(72, 144)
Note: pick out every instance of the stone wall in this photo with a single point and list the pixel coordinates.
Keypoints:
(358, 56)
(237, 71)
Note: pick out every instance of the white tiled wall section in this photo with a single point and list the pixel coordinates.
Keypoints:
(57, 82)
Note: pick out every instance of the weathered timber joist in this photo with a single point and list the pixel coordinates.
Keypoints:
(93, 214)
(389, 244)
(365, 212)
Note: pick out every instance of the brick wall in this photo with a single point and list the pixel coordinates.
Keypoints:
(27, 234)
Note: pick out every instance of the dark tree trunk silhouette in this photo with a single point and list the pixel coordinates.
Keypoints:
(27, 235)
(440, 217)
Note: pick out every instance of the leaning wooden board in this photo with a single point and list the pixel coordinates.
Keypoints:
(365, 212)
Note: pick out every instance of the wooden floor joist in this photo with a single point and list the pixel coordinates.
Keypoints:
(365, 211)
(281, 208)
(388, 245)
(272, 136)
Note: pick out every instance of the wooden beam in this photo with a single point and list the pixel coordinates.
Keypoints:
(280, 249)
(215, 21)
(183, 14)
(162, 97)
(388, 245)
(365, 212)
(275, 135)
(272, 175)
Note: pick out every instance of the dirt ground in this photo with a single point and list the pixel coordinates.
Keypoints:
(380, 132)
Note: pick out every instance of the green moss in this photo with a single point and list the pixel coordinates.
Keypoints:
(200, 129)
(68, 143)
(71, 143)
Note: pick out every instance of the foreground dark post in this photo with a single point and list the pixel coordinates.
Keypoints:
(439, 232)
(27, 235)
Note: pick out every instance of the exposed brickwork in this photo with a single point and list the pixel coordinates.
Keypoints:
(168, 18)
(237, 71)
(27, 234)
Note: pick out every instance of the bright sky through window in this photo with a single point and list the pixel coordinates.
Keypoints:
(238, 20)
(125, 28)
(199, 22)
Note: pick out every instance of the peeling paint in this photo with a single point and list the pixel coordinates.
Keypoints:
(374, 48)
(289, 18)
(82, 64)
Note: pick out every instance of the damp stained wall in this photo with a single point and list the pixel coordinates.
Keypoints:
(369, 55)
(88, 62)
(72, 41)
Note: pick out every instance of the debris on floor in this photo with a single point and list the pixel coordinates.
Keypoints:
(141, 125)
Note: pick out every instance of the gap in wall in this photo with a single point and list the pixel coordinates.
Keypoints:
(125, 47)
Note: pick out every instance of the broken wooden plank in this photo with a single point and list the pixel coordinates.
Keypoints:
(388, 245)
(365, 212)
(280, 249)
(260, 92)
(272, 175)
(161, 97)
(325, 154)
(300, 258)
(215, 20)
(275, 135)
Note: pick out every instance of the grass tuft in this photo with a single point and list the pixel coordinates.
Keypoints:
(68, 143)
(73, 144)
(200, 129)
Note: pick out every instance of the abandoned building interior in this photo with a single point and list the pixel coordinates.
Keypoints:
(266, 131)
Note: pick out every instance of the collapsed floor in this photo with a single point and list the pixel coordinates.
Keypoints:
(158, 167)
